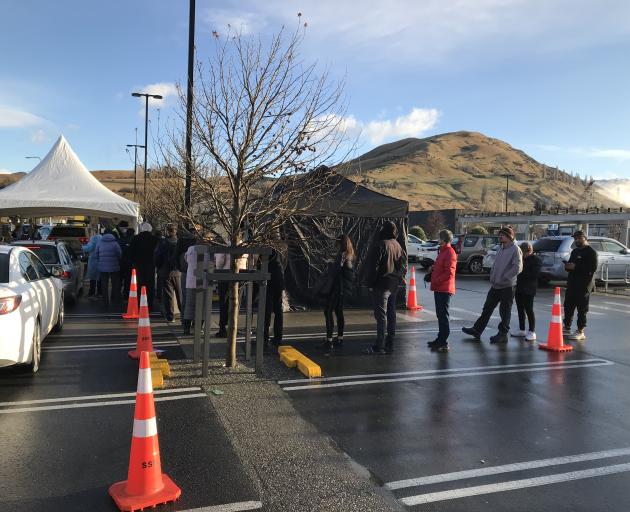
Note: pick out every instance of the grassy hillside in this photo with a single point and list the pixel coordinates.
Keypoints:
(466, 170)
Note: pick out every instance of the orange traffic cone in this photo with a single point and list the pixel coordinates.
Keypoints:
(132, 303)
(146, 485)
(411, 297)
(144, 341)
(555, 340)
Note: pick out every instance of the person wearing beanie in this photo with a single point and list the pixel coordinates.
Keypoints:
(507, 266)
(141, 249)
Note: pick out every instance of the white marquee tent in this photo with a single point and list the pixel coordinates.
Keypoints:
(62, 185)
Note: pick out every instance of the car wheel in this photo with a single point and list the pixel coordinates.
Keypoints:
(61, 316)
(36, 349)
(476, 266)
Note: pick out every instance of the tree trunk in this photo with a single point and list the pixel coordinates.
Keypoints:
(232, 328)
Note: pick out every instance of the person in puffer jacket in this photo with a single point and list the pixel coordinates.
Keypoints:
(108, 255)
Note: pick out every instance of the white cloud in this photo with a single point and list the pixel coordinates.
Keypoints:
(225, 20)
(621, 155)
(167, 90)
(15, 118)
(432, 30)
(5, 171)
(414, 124)
(39, 137)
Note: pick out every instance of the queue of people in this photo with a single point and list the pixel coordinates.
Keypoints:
(172, 259)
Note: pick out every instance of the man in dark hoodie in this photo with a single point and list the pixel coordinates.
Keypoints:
(386, 270)
(168, 274)
(141, 251)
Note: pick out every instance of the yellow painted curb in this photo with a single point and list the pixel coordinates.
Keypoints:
(162, 364)
(308, 367)
(157, 379)
(290, 357)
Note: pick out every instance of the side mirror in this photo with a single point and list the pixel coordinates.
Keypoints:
(624, 251)
(57, 272)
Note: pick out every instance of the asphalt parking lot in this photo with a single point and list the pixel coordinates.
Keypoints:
(483, 427)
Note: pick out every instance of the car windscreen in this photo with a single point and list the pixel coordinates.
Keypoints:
(47, 253)
(65, 231)
(4, 268)
(547, 245)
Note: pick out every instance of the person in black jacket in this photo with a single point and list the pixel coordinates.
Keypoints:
(141, 250)
(168, 274)
(526, 286)
(386, 271)
(275, 287)
(339, 279)
(581, 267)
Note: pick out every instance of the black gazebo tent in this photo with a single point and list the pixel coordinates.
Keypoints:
(312, 237)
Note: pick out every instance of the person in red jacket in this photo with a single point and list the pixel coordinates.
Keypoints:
(442, 275)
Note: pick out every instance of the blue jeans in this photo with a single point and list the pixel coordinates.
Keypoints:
(385, 315)
(442, 303)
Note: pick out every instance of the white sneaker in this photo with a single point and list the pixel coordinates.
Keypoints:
(518, 334)
(530, 336)
(577, 336)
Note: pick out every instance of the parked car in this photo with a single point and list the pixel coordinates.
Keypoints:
(75, 235)
(428, 253)
(414, 246)
(31, 305)
(553, 250)
(59, 254)
(471, 249)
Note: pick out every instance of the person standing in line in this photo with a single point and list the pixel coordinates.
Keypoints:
(92, 273)
(386, 270)
(108, 256)
(526, 286)
(581, 268)
(167, 264)
(190, 258)
(222, 262)
(442, 275)
(275, 289)
(141, 251)
(508, 264)
(125, 262)
(341, 277)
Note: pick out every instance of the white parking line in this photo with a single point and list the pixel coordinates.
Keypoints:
(111, 346)
(95, 397)
(514, 484)
(506, 468)
(626, 305)
(229, 507)
(441, 376)
(98, 404)
(447, 370)
(607, 308)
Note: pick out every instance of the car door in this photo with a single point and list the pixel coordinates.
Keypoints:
(34, 293)
(77, 267)
(603, 258)
(619, 259)
(50, 305)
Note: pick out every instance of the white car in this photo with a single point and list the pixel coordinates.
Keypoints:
(414, 247)
(428, 253)
(31, 305)
(491, 255)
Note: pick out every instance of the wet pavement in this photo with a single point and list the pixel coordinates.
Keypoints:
(66, 431)
(480, 428)
(483, 427)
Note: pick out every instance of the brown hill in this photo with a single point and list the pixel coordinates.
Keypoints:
(467, 170)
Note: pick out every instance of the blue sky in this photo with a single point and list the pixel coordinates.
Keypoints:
(549, 77)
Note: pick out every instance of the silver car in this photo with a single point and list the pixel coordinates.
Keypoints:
(59, 256)
(554, 250)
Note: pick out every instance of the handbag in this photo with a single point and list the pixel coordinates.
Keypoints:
(427, 277)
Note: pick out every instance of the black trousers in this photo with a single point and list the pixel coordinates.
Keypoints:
(442, 303)
(171, 293)
(223, 289)
(525, 307)
(145, 276)
(114, 277)
(505, 298)
(274, 305)
(576, 299)
(334, 306)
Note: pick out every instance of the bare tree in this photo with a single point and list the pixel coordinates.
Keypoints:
(262, 118)
(435, 222)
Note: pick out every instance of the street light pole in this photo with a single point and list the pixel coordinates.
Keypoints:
(189, 103)
(135, 168)
(38, 157)
(507, 189)
(146, 126)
